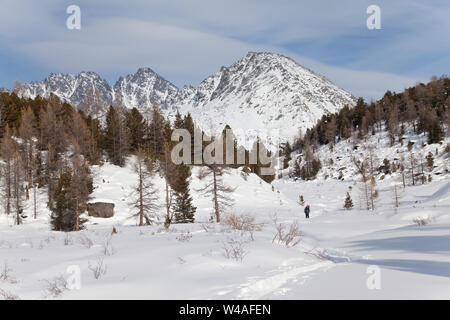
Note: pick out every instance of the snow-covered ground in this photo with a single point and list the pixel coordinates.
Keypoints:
(380, 254)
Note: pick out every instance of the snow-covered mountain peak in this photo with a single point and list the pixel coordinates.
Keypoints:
(144, 88)
(263, 91)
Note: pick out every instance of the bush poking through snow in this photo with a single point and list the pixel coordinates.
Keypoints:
(243, 222)
(8, 295)
(108, 249)
(288, 235)
(208, 227)
(184, 236)
(5, 274)
(234, 249)
(98, 269)
(67, 239)
(55, 287)
(422, 221)
(86, 241)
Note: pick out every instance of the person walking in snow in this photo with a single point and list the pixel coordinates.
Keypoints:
(307, 209)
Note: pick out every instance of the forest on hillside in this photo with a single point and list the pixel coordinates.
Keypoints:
(48, 144)
(425, 107)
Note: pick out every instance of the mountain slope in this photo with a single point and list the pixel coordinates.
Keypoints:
(263, 91)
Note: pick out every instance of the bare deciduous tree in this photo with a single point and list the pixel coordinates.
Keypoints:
(7, 150)
(216, 188)
(144, 196)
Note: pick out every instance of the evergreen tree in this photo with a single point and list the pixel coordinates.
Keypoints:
(348, 204)
(137, 128)
(183, 209)
(64, 217)
(156, 134)
(301, 200)
(435, 132)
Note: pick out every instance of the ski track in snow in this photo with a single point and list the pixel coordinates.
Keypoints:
(260, 288)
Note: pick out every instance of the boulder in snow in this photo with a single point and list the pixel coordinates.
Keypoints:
(101, 209)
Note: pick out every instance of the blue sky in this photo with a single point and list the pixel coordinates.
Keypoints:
(185, 41)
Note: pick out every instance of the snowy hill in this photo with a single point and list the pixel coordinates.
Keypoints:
(262, 91)
(337, 161)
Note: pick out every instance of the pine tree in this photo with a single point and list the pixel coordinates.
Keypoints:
(183, 209)
(137, 128)
(301, 200)
(435, 132)
(348, 204)
(80, 188)
(64, 212)
(156, 133)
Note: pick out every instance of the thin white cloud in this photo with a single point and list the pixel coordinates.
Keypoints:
(186, 41)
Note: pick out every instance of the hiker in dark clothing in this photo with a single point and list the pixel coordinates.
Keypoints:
(307, 209)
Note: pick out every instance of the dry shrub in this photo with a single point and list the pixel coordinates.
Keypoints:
(422, 221)
(288, 235)
(108, 249)
(234, 249)
(55, 287)
(6, 295)
(185, 236)
(86, 241)
(68, 239)
(208, 227)
(242, 222)
(98, 268)
(5, 274)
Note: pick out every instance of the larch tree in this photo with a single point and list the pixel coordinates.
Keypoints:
(145, 195)
(27, 133)
(215, 187)
(52, 127)
(18, 179)
(169, 175)
(362, 167)
(82, 136)
(7, 150)
(116, 135)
